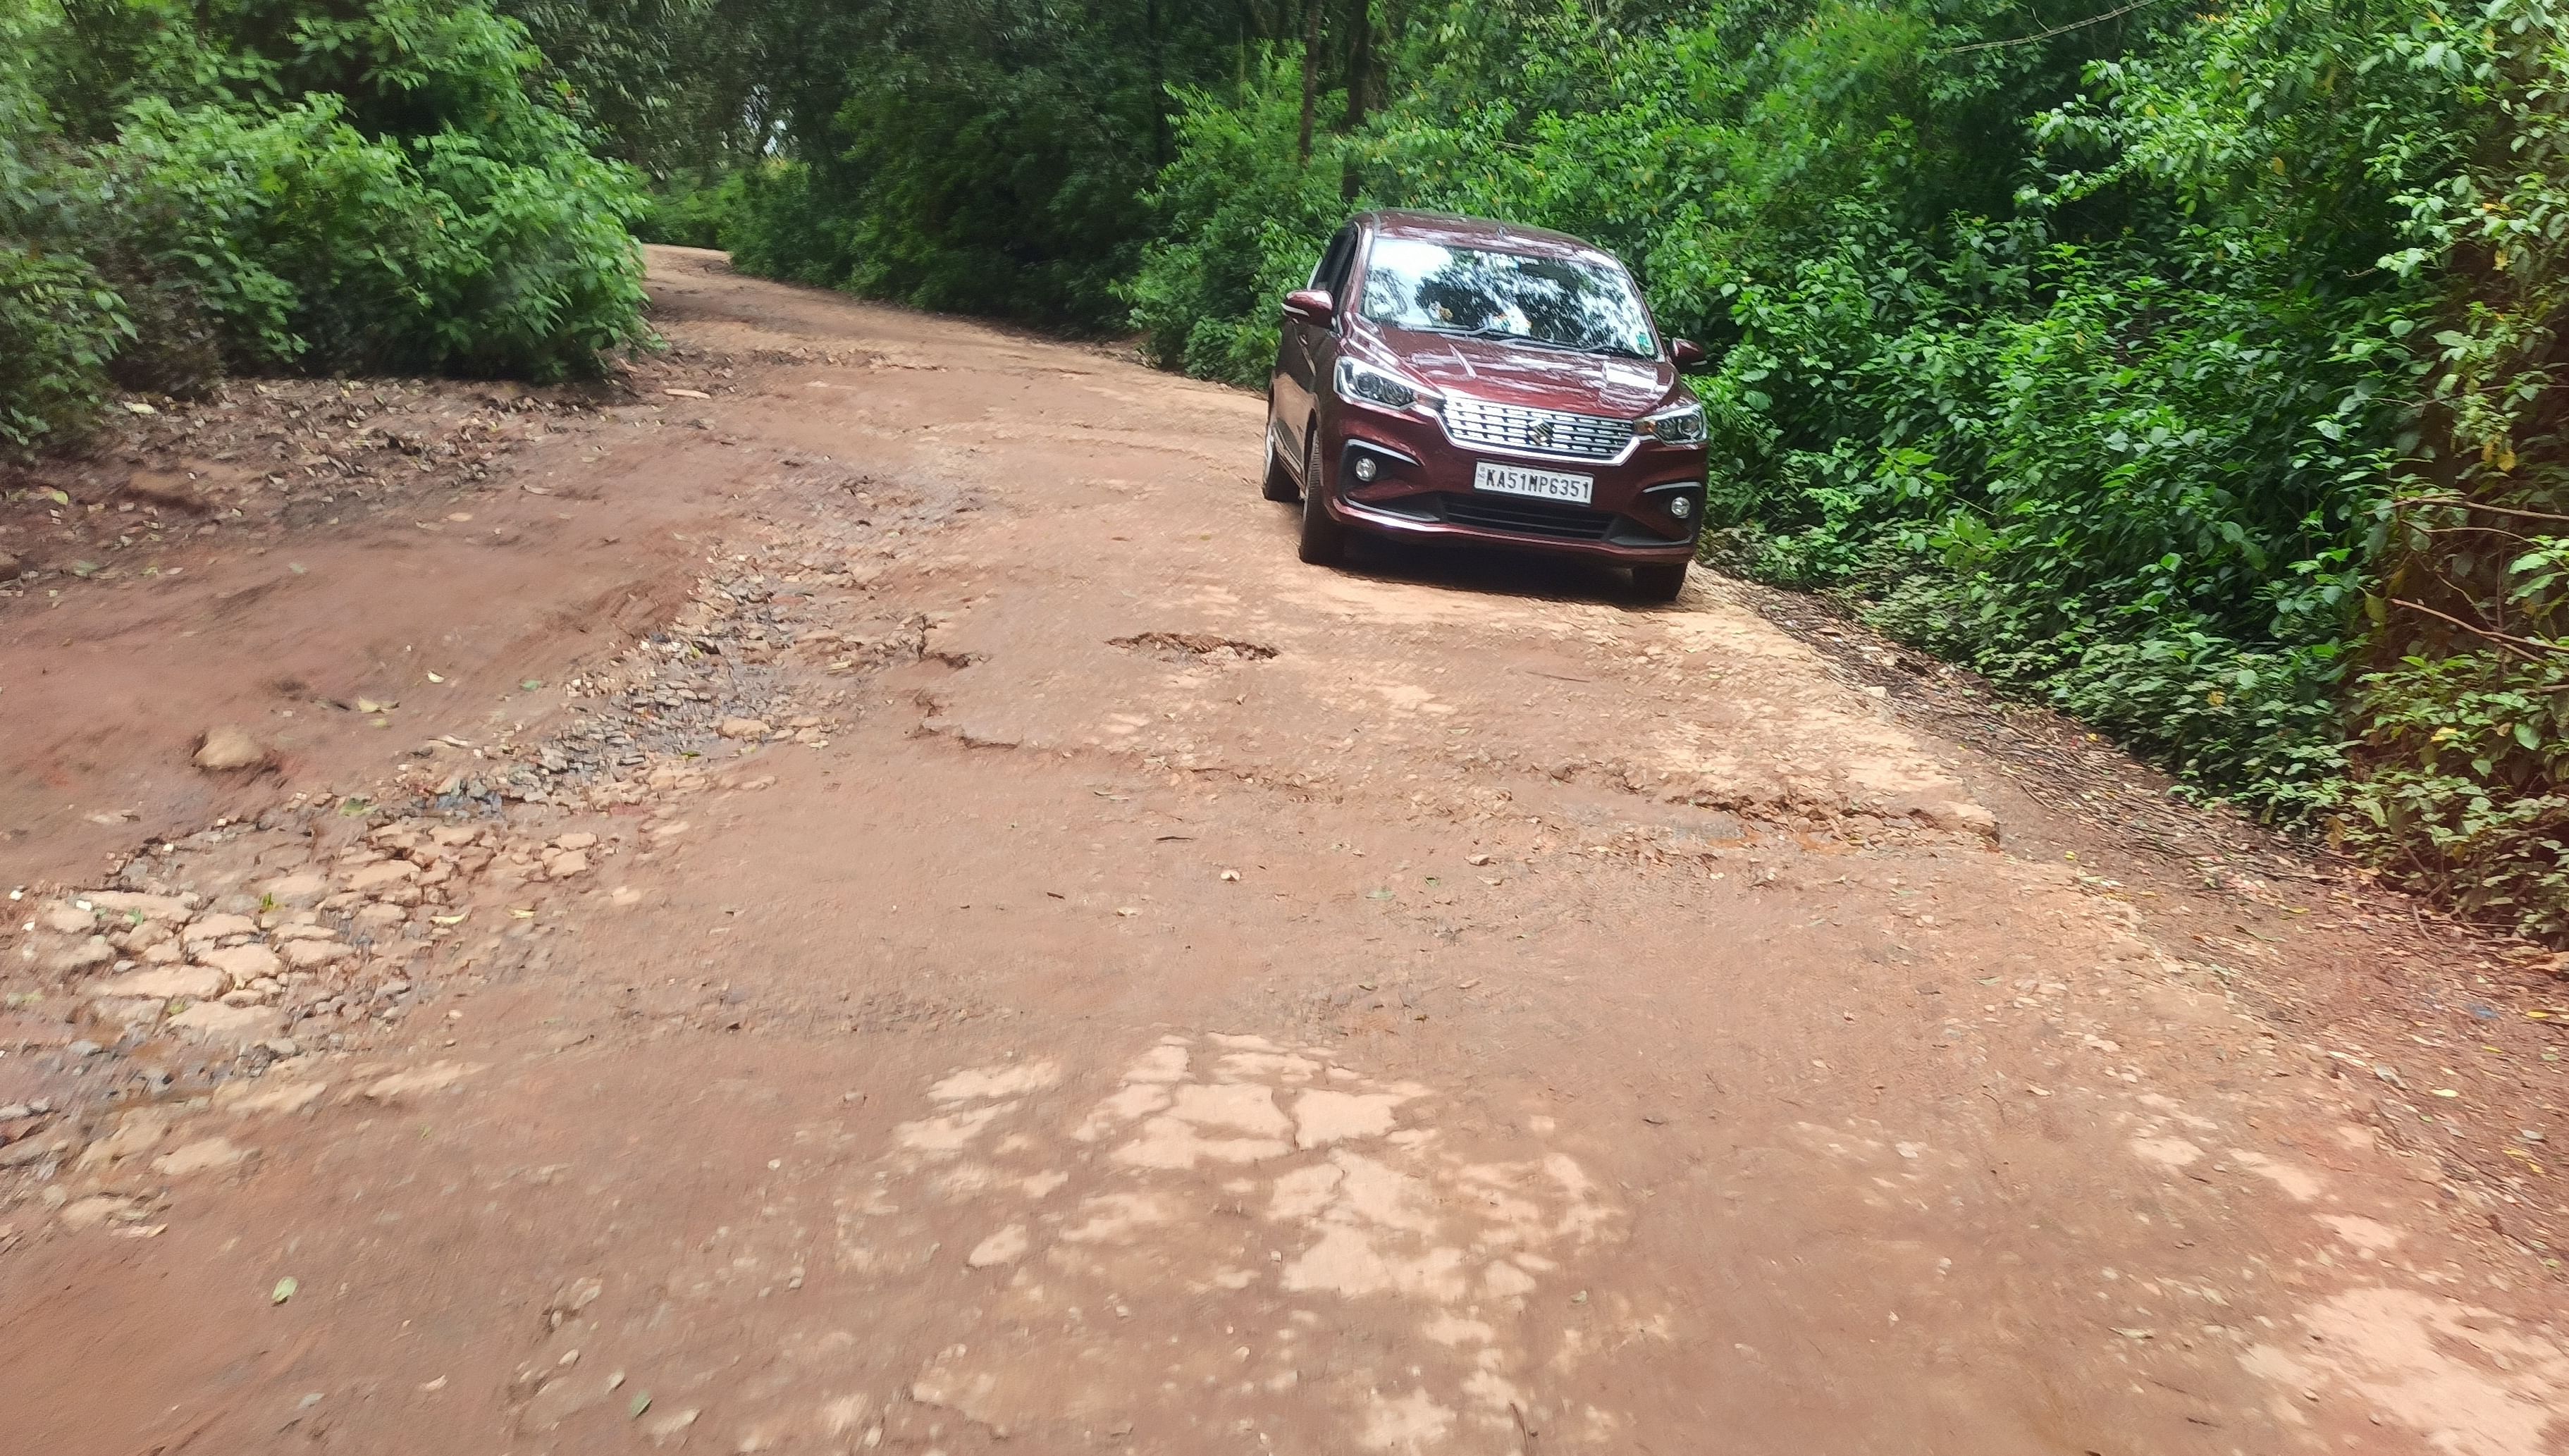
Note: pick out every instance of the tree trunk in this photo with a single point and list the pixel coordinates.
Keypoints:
(1359, 62)
(1360, 81)
(1159, 86)
(1311, 69)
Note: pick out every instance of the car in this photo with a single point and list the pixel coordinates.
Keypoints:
(1456, 380)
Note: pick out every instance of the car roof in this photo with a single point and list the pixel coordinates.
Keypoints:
(1483, 233)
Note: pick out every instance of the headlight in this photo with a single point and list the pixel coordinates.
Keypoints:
(1374, 386)
(1677, 424)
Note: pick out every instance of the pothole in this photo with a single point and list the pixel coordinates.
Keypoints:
(1193, 647)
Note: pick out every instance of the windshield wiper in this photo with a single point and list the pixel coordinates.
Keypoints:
(1514, 337)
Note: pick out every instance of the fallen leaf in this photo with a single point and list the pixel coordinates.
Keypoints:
(369, 705)
(687, 393)
(455, 919)
(1231, 874)
(2134, 1333)
(1126, 909)
(530, 684)
(284, 1291)
(433, 677)
(138, 407)
(641, 1403)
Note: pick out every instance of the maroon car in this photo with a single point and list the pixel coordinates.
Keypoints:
(1449, 379)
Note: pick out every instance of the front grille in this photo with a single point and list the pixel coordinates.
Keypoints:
(1514, 427)
(1529, 518)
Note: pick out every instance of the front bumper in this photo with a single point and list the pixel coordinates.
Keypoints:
(1422, 491)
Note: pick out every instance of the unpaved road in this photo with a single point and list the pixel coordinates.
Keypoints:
(1128, 991)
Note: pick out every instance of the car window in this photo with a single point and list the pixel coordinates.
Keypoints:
(1331, 275)
(1573, 303)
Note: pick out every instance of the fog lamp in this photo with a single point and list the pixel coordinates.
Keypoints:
(1366, 470)
(1681, 506)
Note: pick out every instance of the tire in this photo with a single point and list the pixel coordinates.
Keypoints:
(1322, 542)
(1275, 483)
(1656, 581)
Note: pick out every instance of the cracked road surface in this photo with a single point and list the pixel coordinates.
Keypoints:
(953, 939)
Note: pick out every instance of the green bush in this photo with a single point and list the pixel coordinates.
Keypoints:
(976, 155)
(779, 222)
(688, 211)
(1244, 218)
(60, 324)
(416, 208)
(2459, 791)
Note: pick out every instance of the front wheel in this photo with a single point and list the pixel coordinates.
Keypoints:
(1659, 581)
(1322, 542)
(1276, 483)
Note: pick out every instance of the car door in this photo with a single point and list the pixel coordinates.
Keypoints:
(1303, 350)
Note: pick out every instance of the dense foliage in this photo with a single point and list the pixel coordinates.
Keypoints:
(984, 156)
(281, 182)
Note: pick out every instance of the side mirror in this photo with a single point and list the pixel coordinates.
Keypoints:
(1311, 306)
(1687, 354)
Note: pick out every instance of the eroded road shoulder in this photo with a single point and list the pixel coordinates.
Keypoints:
(1006, 958)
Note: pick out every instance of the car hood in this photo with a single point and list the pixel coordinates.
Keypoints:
(1520, 374)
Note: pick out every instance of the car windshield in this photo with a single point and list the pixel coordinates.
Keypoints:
(1411, 283)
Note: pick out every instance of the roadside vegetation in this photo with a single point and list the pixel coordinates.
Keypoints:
(284, 185)
(2188, 370)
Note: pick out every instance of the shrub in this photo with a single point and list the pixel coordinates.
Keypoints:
(779, 223)
(418, 208)
(1242, 219)
(60, 324)
(2458, 790)
(689, 211)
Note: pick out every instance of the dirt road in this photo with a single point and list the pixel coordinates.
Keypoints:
(852, 894)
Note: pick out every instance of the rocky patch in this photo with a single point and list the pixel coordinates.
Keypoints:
(1191, 647)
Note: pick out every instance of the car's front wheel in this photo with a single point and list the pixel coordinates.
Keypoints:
(1275, 483)
(1322, 542)
(1659, 581)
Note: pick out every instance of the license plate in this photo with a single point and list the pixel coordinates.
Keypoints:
(1546, 485)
